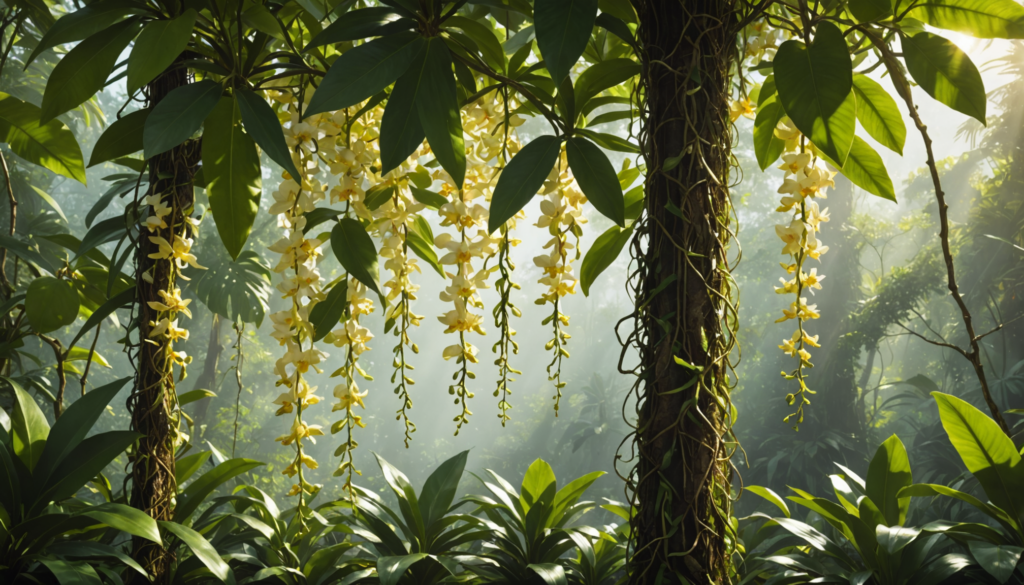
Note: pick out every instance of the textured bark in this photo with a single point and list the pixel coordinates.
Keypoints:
(682, 477)
(152, 404)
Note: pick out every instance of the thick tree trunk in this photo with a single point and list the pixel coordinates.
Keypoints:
(153, 401)
(681, 485)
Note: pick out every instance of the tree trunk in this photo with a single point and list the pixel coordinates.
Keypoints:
(153, 400)
(685, 317)
(208, 377)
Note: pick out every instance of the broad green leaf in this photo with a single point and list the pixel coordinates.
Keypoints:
(946, 73)
(563, 29)
(621, 9)
(197, 491)
(326, 314)
(566, 497)
(539, 477)
(815, 87)
(355, 250)
(609, 141)
(156, 48)
(401, 132)
(84, 70)
(29, 428)
(596, 177)
(483, 36)
(94, 550)
(878, 114)
(986, 451)
(438, 107)
(985, 19)
(522, 179)
(438, 491)
(50, 145)
(391, 569)
(769, 495)
(871, 10)
(118, 301)
(421, 240)
(262, 124)
(365, 70)
(355, 25)
(1000, 561)
(866, 169)
(231, 166)
(926, 490)
(602, 254)
(71, 572)
(768, 147)
(86, 460)
(202, 548)
(121, 138)
(428, 198)
(50, 304)
(186, 398)
(888, 473)
(179, 115)
(813, 537)
(188, 465)
(83, 23)
(549, 573)
(602, 76)
(125, 518)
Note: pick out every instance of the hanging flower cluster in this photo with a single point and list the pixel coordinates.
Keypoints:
(807, 181)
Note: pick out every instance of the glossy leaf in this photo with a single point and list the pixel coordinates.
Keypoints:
(50, 304)
(118, 301)
(421, 242)
(84, 70)
(89, 549)
(605, 249)
(563, 29)
(538, 479)
(355, 25)
(401, 132)
(231, 166)
(179, 115)
(815, 87)
(439, 490)
(878, 114)
(235, 290)
(596, 177)
(71, 572)
(186, 398)
(946, 73)
(50, 145)
(262, 125)
(188, 465)
(156, 48)
(83, 23)
(985, 19)
(1000, 561)
(768, 147)
(201, 548)
(82, 463)
(29, 428)
(121, 138)
(769, 495)
(549, 573)
(125, 518)
(428, 198)
(197, 491)
(866, 169)
(438, 107)
(522, 179)
(355, 250)
(888, 473)
(391, 569)
(602, 76)
(365, 70)
(326, 315)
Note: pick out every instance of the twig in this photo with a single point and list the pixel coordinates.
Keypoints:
(58, 352)
(239, 328)
(88, 360)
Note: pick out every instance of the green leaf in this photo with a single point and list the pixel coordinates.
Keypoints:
(355, 25)
(596, 177)
(158, 45)
(262, 124)
(125, 518)
(878, 114)
(986, 452)
(563, 29)
(888, 473)
(355, 250)
(82, 463)
(231, 166)
(602, 254)
(84, 70)
(121, 138)
(89, 549)
(602, 76)
(421, 240)
(83, 23)
(522, 179)
(609, 141)
(538, 479)
(814, 85)
(391, 569)
(401, 132)
(767, 147)
(439, 490)
(866, 169)
(327, 313)
(365, 70)
(197, 491)
(188, 465)
(29, 428)
(871, 10)
(71, 572)
(50, 145)
(201, 548)
(549, 573)
(179, 115)
(116, 302)
(428, 198)
(984, 19)
(379, 195)
(946, 73)
(769, 495)
(50, 304)
(924, 490)
(438, 107)
(483, 36)
(1000, 561)
(186, 398)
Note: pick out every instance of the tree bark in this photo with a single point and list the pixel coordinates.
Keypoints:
(685, 317)
(153, 402)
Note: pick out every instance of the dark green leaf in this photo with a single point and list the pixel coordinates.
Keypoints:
(262, 124)
(327, 313)
(483, 36)
(96, 550)
(596, 177)
(29, 428)
(549, 573)
(522, 179)
(1000, 561)
(602, 254)
(815, 87)
(158, 45)
(71, 572)
(83, 23)
(84, 462)
(84, 70)
(391, 569)
(126, 519)
(201, 548)
(438, 107)
(50, 145)
(610, 141)
(871, 10)
(355, 250)
(121, 138)
(888, 473)
(563, 29)
(946, 73)
(355, 25)
(428, 198)
(401, 132)
(188, 465)
(985, 19)
(378, 196)
(878, 114)
(179, 115)
(768, 147)
(865, 168)
(121, 300)
(602, 76)
(231, 166)
(197, 491)
(421, 241)
(439, 490)
(50, 304)
(365, 70)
